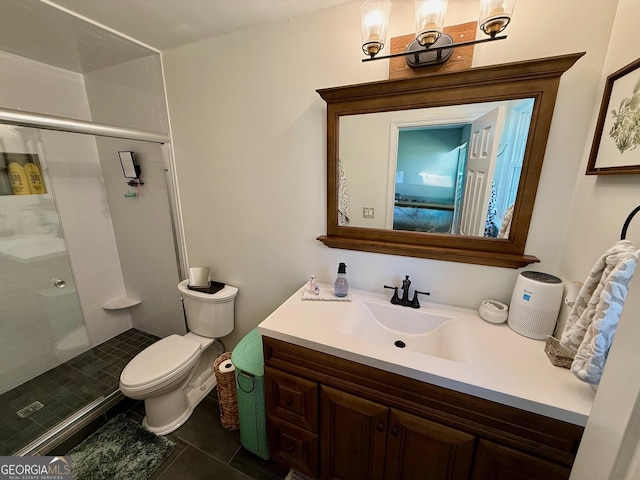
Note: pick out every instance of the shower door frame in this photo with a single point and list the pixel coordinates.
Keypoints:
(69, 125)
(51, 122)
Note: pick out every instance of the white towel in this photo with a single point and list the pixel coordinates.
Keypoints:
(326, 294)
(594, 316)
(343, 197)
(505, 227)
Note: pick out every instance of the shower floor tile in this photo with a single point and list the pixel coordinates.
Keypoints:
(66, 388)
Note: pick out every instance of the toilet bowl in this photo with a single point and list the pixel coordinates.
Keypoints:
(174, 374)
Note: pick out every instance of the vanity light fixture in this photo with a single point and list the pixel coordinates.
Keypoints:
(431, 45)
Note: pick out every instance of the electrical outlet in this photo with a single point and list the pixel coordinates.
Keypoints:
(367, 212)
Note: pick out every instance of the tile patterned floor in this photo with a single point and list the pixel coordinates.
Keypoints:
(66, 388)
(205, 450)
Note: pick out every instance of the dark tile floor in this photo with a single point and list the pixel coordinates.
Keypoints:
(205, 450)
(66, 388)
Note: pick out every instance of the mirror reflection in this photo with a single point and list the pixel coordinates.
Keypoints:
(449, 170)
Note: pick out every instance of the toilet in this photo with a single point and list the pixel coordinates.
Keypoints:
(174, 374)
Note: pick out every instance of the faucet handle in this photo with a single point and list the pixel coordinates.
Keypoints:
(395, 300)
(415, 303)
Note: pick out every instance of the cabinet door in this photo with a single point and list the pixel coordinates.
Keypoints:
(352, 436)
(497, 462)
(421, 449)
(291, 446)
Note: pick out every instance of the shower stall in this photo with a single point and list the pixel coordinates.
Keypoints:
(89, 257)
(63, 289)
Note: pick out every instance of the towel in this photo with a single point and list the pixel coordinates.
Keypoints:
(343, 197)
(325, 294)
(505, 227)
(594, 317)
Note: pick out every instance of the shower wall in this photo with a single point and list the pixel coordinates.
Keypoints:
(132, 94)
(101, 229)
(27, 348)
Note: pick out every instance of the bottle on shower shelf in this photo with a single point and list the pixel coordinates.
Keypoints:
(17, 175)
(34, 176)
(5, 186)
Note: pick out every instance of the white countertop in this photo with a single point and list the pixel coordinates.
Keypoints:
(500, 364)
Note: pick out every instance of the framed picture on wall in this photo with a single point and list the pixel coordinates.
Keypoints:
(616, 143)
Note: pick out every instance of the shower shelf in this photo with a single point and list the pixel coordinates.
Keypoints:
(121, 303)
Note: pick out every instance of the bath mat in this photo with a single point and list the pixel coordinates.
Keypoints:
(293, 475)
(120, 450)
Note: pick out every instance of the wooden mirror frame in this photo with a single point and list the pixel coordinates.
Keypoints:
(538, 79)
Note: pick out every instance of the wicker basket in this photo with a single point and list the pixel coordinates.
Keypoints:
(227, 397)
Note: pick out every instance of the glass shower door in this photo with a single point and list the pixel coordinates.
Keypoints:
(41, 322)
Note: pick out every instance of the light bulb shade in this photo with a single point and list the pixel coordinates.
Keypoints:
(374, 20)
(429, 20)
(495, 15)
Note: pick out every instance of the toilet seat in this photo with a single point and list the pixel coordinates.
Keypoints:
(165, 359)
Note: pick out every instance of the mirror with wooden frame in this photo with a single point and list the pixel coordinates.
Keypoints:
(443, 166)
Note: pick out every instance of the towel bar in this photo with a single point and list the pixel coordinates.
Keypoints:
(623, 235)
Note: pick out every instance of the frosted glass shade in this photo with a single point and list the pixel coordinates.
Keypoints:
(429, 20)
(495, 15)
(374, 21)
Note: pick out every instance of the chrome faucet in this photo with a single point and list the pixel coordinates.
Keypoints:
(404, 301)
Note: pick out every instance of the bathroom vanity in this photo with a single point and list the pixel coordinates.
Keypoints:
(462, 398)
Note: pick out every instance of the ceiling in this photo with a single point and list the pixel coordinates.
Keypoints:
(165, 24)
(45, 31)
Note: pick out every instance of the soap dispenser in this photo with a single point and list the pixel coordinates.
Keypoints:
(341, 286)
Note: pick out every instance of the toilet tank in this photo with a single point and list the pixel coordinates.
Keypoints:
(209, 315)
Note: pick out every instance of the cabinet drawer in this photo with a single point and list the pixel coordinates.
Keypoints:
(292, 399)
(294, 447)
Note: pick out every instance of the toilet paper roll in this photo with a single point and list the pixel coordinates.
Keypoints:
(226, 388)
(226, 366)
(199, 276)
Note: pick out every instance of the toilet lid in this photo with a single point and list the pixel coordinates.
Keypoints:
(159, 360)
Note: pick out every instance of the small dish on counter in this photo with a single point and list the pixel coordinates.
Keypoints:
(493, 311)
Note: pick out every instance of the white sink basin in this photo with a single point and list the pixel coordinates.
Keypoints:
(406, 329)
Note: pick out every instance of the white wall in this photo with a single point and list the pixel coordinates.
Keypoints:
(599, 208)
(249, 137)
(131, 94)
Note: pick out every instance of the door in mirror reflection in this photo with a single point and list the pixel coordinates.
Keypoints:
(450, 170)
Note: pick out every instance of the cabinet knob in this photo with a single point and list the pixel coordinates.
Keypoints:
(288, 401)
(394, 431)
(290, 447)
(380, 427)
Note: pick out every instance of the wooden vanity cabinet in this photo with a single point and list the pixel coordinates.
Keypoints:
(292, 420)
(331, 418)
(363, 440)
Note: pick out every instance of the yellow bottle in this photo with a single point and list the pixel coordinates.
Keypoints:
(34, 177)
(18, 178)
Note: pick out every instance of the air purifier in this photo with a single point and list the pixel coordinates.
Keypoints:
(535, 304)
